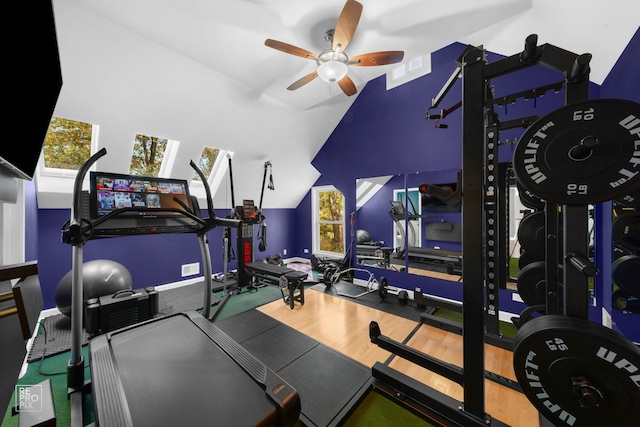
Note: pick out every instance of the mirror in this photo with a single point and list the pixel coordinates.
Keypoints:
(411, 222)
(625, 233)
(376, 242)
(433, 223)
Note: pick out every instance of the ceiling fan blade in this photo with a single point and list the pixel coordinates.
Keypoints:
(347, 86)
(346, 25)
(303, 81)
(291, 49)
(377, 58)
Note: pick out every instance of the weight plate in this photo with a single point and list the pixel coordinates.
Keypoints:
(626, 230)
(528, 199)
(578, 373)
(585, 152)
(532, 235)
(624, 272)
(619, 251)
(329, 274)
(524, 260)
(630, 200)
(532, 284)
(382, 287)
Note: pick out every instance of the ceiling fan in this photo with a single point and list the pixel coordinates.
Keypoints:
(332, 63)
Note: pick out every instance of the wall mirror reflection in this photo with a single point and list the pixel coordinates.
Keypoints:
(411, 222)
(625, 233)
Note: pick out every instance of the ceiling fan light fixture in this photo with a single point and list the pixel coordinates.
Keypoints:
(332, 71)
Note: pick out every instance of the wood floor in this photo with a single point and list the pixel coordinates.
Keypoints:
(343, 325)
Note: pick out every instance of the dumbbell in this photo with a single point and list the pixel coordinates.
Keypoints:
(383, 291)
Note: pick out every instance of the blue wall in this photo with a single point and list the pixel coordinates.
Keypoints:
(152, 260)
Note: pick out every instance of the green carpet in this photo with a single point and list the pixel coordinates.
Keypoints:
(53, 368)
(507, 329)
(377, 410)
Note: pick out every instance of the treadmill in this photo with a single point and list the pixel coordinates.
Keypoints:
(174, 370)
(183, 370)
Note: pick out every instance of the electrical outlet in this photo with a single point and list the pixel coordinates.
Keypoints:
(306, 251)
(284, 252)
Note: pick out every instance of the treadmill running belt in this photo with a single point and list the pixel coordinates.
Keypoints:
(172, 371)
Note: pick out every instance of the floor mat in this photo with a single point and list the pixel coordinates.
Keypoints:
(357, 293)
(58, 327)
(302, 362)
(54, 337)
(183, 298)
(324, 396)
(249, 324)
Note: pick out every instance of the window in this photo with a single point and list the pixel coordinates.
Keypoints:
(328, 221)
(149, 153)
(207, 161)
(67, 146)
(214, 165)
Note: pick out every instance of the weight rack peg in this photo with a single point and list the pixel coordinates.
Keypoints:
(582, 263)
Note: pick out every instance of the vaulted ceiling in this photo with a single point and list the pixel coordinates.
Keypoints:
(197, 71)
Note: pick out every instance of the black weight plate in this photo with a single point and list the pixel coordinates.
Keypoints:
(382, 287)
(625, 271)
(532, 284)
(552, 353)
(626, 231)
(329, 274)
(532, 235)
(403, 296)
(528, 199)
(630, 200)
(619, 251)
(524, 260)
(546, 163)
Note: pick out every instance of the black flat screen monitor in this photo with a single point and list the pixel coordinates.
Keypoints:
(140, 204)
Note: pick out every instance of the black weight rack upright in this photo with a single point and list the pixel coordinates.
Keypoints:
(482, 209)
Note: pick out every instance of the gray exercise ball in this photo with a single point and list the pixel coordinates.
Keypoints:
(99, 277)
(362, 236)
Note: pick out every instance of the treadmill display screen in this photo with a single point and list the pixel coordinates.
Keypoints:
(148, 196)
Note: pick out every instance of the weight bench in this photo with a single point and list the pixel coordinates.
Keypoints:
(287, 279)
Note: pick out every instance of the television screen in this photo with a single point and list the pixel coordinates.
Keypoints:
(147, 197)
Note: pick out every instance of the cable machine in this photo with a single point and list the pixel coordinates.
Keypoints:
(248, 216)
